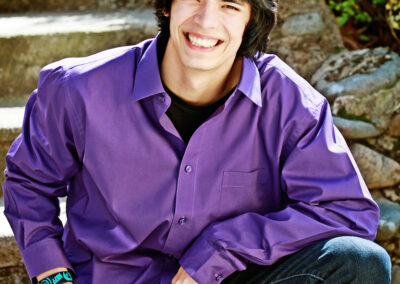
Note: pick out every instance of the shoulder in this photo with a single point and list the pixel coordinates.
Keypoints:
(75, 82)
(281, 85)
(102, 64)
(79, 79)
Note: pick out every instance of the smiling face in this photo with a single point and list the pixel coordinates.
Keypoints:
(206, 34)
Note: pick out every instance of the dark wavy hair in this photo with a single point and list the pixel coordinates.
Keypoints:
(256, 36)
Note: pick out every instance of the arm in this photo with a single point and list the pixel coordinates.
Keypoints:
(327, 198)
(40, 163)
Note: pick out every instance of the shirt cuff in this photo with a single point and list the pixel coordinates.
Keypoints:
(44, 255)
(209, 262)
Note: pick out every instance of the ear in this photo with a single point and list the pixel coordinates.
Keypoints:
(165, 13)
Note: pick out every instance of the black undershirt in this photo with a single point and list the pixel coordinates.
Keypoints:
(186, 117)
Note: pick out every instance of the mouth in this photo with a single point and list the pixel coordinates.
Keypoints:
(202, 42)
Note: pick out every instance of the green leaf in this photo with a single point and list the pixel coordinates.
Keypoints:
(342, 20)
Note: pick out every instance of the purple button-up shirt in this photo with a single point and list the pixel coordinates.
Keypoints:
(266, 175)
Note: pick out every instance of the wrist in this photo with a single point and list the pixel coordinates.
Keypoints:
(50, 272)
(57, 275)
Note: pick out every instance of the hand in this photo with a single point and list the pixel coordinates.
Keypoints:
(50, 272)
(182, 277)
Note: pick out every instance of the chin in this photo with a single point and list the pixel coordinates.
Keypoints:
(200, 64)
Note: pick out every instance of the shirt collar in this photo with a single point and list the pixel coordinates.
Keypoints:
(148, 80)
(249, 83)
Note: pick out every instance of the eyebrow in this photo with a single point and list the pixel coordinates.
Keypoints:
(239, 2)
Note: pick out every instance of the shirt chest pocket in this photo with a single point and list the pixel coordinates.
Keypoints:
(243, 192)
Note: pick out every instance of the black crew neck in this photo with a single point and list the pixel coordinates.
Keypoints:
(179, 101)
(187, 117)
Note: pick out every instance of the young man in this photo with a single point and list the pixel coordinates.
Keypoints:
(189, 158)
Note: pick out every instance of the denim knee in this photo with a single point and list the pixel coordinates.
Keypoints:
(365, 260)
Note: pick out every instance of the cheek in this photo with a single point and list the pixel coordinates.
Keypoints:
(236, 29)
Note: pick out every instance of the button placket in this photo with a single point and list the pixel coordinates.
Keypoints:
(180, 232)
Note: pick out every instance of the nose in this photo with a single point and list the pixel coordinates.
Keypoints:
(207, 15)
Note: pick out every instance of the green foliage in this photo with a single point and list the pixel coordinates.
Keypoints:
(368, 22)
(351, 9)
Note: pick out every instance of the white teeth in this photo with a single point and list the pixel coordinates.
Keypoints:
(201, 42)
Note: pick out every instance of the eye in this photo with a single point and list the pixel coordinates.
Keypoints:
(231, 7)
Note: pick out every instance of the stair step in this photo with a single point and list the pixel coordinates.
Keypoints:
(10, 127)
(30, 41)
(69, 22)
(19, 6)
(11, 118)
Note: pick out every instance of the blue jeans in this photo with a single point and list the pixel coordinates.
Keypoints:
(337, 260)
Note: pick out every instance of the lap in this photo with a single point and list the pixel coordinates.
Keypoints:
(338, 260)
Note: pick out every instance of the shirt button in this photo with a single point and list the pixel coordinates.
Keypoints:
(218, 277)
(170, 256)
(188, 168)
(182, 220)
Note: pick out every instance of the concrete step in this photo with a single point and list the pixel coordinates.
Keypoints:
(19, 6)
(10, 127)
(30, 41)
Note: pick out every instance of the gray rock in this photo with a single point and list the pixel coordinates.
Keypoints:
(354, 129)
(305, 53)
(394, 127)
(357, 73)
(389, 219)
(377, 170)
(378, 107)
(310, 23)
(395, 274)
(386, 142)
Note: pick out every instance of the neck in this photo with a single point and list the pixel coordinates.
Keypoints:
(195, 86)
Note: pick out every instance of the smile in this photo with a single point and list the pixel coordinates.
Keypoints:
(202, 42)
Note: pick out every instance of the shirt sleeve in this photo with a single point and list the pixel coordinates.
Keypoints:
(327, 198)
(40, 163)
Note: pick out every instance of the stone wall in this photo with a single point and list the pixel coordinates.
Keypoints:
(363, 88)
(306, 35)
